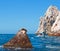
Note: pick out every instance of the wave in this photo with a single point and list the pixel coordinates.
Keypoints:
(1, 46)
(32, 37)
(50, 46)
(40, 36)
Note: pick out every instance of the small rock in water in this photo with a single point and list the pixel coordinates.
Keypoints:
(20, 40)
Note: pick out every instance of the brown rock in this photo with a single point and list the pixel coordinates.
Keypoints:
(54, 34)
(20, 40)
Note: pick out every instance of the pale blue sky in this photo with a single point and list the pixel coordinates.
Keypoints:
(16, 14)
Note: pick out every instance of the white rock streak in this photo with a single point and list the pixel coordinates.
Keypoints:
(56, 25)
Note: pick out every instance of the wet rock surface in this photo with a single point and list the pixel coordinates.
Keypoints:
(21, 40)
(54, 34)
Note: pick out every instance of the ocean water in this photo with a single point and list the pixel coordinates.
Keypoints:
(39, 43)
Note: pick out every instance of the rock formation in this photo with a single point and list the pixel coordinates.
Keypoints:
(48, 19)
(56, 25)
(55, 29)
(21, 40)
(41, 26)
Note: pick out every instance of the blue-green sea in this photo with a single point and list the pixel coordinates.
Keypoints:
(39, 43)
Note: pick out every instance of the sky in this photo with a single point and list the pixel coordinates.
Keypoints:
(17, 14)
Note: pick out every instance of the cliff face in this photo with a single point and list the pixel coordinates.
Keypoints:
(20, 40)
(41, 26)
(56, 25)
(47, 20)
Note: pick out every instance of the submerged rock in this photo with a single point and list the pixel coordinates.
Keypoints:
(21, 40)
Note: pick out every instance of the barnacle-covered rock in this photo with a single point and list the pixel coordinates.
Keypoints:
(21, 40)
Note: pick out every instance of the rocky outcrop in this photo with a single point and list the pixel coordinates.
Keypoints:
(56, 25)
(21, 40)
(55, 29)
(41, 26)
(47, 21)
